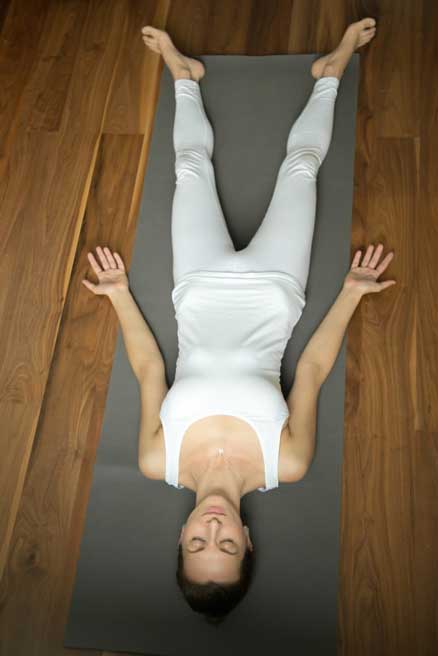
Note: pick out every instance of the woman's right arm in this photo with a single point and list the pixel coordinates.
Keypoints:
(140, 344)
(143, 353)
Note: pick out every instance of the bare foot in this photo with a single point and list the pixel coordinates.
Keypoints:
(181, 67)
(355, 36)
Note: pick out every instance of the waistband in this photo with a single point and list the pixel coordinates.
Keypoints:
(241, 275)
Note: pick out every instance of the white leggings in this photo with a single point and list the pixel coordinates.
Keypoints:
(283, 241)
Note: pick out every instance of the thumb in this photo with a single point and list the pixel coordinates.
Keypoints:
(387, 283)
(90, 285)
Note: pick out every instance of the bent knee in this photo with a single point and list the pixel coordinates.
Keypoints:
(192, 163)
(303, 161)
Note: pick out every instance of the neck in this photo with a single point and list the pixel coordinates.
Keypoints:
(219, 478)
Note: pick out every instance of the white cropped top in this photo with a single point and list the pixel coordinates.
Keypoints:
(232, 332)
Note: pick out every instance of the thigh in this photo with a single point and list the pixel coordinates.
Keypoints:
(199, 231)
(283, 241)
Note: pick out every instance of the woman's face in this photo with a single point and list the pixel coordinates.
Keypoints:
(213, 545)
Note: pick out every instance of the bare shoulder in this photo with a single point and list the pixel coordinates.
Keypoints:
(154, 465)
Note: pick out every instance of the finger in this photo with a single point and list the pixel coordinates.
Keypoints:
(94, 263)
(103, 259)
(367, 256)
(384, 263)
(376, 256)
(110, 258)
(356, 259)
(119, 261)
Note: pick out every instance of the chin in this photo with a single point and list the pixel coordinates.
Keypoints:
(215, 497)
(216, 500)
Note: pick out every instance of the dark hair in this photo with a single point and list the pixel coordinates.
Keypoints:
(215, 600)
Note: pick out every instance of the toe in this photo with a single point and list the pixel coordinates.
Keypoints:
(369, 22)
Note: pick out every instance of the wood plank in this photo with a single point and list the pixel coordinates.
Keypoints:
(4, 8)
(131, 106)
(380, 607)
(393, 91)
(17, 56)
(42, 103)
(377, 543)
(317, 26)
(44, 202)
(423, 445)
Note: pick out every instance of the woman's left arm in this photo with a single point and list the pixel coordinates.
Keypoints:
(324, 345)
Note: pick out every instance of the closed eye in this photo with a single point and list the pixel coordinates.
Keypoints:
(224, 550)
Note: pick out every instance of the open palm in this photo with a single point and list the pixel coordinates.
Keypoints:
(363, 278)
(111, 275)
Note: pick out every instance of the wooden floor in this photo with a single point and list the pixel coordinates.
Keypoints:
(77, 98)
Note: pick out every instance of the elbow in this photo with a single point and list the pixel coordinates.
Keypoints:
(313, 370)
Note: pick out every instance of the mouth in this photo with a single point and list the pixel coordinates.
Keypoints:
(217, 510)
(212, 512)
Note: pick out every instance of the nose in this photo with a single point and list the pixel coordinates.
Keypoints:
(215, 526)
(214, 518)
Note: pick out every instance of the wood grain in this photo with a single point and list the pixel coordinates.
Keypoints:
(79, 92)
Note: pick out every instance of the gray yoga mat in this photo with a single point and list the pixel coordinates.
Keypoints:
(125, 596)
